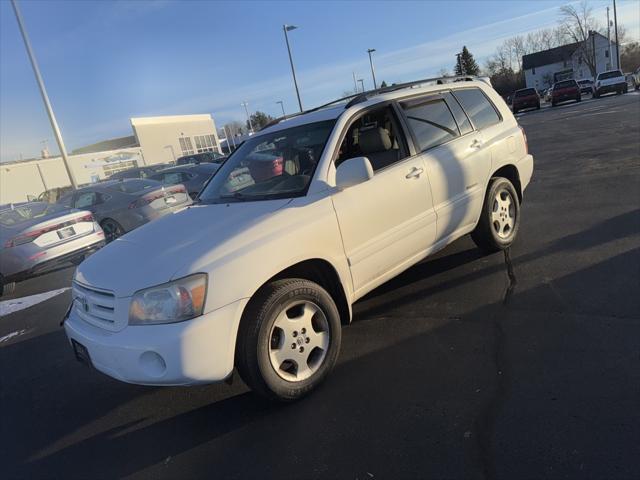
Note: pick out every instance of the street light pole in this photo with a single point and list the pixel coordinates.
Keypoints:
(282, 105)
(373, 73)
(245, 104)
(609, 39)
(361, 84)
(288, 28)
(615, 23)
(45, 97)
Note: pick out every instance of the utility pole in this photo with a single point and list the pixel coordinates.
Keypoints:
(615, 23)
(361, 84)
(245, 104)
(373, 73)
(282, 105)
(288, 28)
(43, 92)
(609, 39)
(355, 82)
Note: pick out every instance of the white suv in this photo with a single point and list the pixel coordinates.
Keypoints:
(611, 81)
(301, 221)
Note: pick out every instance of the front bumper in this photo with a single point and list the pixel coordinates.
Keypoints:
(193, 352)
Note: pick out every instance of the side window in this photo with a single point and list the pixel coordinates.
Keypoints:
(482, 113)
(377, 136)
(64, 201)
(431, 121)
(85, 199)
(458, 113)
(172, 178)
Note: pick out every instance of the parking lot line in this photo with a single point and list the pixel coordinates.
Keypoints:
(17, 304)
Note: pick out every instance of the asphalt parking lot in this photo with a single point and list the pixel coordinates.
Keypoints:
(465, 366)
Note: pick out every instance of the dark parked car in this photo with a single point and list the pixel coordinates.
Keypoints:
(123, 205)
(36, 237)
(193, 177)
(565, 90)
(139, 172)
(206, 157)
(525, 98)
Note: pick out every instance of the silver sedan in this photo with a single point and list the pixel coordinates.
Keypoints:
(37, 237)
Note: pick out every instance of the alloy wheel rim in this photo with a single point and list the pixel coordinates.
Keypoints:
(503, 214)
(299, 341)
(111, 231)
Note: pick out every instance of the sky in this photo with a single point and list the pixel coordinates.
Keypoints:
(104, 62)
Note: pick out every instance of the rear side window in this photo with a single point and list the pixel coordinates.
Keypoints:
(431, 121)
(461, 118)
(86, 199)
(481, 111)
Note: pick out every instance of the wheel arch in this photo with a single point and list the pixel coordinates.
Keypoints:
(511, 173)
(323, 273)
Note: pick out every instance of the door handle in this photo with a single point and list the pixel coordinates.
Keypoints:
(414, 173)
(477, 143)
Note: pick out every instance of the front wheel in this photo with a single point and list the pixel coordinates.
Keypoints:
(288, 340)
(500, 217)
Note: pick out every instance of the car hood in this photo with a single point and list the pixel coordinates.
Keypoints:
(153, 253)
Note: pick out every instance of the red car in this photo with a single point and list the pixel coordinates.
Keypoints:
(525, 98)
(565, 90)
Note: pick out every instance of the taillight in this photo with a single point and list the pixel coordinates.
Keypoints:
(85, 218)
(178, 189)
(146, 200)
(526, 144)
(24, 238)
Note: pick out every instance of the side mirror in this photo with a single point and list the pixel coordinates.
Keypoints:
(353, 172)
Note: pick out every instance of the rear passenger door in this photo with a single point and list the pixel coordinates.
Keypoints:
(455, 157)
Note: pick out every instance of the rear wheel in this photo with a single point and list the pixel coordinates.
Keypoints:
(112, 230)
(578, 99)
(500, 217)
(288, 340)
(538, 106)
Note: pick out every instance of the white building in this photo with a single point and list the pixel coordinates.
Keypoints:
(155, 140)
(542, 69)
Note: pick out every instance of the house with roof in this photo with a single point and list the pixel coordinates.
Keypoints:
(543, 69)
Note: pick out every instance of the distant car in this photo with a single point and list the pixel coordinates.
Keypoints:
(206, 157)
(193, 177)
(525, 98)
(611, 81)
(586, 86)
(123, 205)
(36, 237)
(139, 172)
(547, 94)
(635, 78)
(565, 90)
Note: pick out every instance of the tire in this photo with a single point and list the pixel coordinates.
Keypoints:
(499, 221)
(270, 320)
(596, 94)
(538, 107)
(112, 230)
(636, 85)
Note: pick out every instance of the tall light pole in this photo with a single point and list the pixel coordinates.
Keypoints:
(226, 133)
(615, 23)
(373, 73)
(43, 92)
(361, 84)
(288, 28)
(282, 105)
(245, 104)
(609, 38)
(355, 82)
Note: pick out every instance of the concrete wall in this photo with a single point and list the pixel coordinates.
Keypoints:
(19, 179)
(581, 70)
(159, 137)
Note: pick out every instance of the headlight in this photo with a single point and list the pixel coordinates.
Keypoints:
(170, 302)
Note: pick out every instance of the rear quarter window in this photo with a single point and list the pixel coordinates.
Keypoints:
(479, 108)
(525, 93)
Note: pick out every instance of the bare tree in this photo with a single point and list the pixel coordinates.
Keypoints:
(577, 22)
(234, 128)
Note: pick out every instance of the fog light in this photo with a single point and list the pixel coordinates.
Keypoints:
(153, 364)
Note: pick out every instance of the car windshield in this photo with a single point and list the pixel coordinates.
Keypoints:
(612, 74)
(17, 215)
(584, 82)
(133, 186)
(565, 84)
(526, 92)
(269, 166)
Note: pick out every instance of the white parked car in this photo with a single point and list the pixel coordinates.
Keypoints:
(611, 81)
(305, 218)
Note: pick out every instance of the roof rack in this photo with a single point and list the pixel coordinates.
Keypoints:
(356, 98)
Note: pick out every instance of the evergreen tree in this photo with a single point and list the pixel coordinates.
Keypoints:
(383, 84)
(466, 64)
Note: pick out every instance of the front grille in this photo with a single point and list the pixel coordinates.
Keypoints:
(95, 306)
